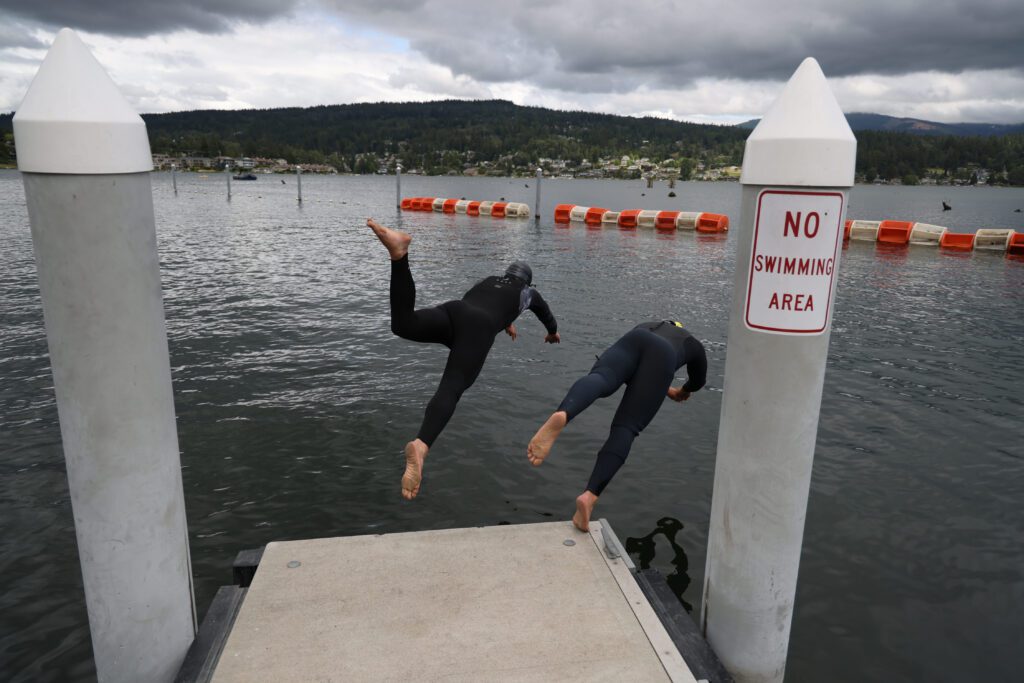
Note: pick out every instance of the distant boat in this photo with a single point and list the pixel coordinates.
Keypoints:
(244, 176)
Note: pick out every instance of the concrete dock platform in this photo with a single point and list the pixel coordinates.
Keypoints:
(534, 602)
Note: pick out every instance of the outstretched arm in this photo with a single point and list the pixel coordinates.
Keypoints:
(543, 312)
(696, 365)
(696, 371)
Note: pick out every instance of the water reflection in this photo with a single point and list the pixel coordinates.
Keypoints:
(644, 549)
(892, 253)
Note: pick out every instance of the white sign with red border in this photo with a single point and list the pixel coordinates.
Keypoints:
(793, 259)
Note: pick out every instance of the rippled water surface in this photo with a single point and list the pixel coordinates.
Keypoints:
(294, 401)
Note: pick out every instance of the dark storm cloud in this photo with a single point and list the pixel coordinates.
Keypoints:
(145, 17)
(611, 46)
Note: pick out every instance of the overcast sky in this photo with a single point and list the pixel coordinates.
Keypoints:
(719, 61)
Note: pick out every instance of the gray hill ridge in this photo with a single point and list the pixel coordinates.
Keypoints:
(866, 121)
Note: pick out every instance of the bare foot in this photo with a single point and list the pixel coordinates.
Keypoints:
(395, 241)
(415, 453)
(544, 439)
(585, 503)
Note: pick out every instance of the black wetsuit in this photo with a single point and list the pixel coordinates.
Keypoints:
(466, 327)
(644, 359)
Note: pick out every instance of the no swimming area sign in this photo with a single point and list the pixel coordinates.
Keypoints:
(793, 258)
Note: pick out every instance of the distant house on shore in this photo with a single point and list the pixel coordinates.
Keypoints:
(196, 162)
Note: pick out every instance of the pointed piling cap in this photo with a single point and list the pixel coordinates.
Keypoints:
(74, 119)
(803, 139)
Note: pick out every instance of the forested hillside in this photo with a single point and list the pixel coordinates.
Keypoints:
(439, 136)
(451, 136)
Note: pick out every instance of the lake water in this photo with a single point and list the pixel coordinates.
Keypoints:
(294, 401)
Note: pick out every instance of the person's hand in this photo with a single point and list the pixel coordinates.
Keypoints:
(678, 394)
(553, 338)
(511, 331)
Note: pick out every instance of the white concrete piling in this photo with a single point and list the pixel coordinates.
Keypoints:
(536, 200)
(398, 185)
(798, 168)
(174, 178)
(298, 178)
(227, 176)
(85, 162)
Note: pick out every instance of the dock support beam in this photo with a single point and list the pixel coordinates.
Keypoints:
(398, 186)
(85, 162)
(536, 202)
(174, 178)
(298, 178)
(798, 168)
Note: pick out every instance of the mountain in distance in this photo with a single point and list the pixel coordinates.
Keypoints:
(893, 124)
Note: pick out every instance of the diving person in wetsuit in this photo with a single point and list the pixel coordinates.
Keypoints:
(645, 360)
(467, 327)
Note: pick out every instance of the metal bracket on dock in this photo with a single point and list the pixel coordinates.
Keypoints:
(243, 569)
(613, 548)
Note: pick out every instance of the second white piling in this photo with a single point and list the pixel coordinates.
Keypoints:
(797, 170)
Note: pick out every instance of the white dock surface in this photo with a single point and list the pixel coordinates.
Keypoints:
(502, 603)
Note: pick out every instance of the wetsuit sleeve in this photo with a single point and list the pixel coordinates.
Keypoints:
(696, 365)
(543, 312)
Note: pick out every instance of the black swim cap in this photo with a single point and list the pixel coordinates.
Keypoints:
(521, 270)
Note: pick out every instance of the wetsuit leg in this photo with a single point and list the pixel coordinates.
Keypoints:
(615, 366)
(427, 325)
(472, 342)
(645, 392)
